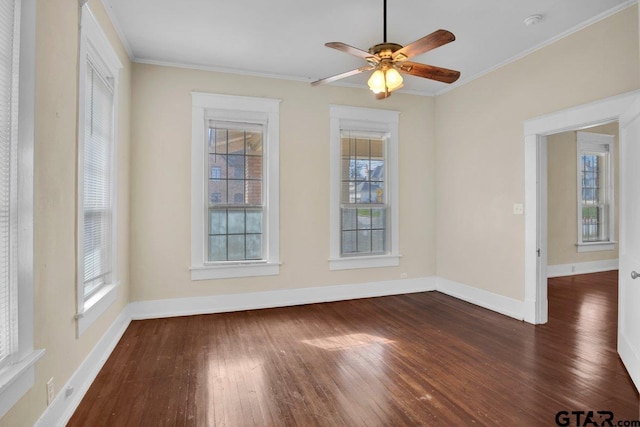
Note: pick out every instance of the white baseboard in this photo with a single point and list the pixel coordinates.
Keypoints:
(498, 303)
(560, 270)
(62, 408)
(278, 298)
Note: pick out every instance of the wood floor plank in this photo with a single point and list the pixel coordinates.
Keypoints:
(419, 359)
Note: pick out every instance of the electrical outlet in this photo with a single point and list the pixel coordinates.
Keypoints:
(518, 209)
(403, 275)
(50, 391)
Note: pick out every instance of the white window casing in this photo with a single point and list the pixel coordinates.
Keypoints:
(363, 122)
(255, 115)
(601, 233)
(98, 85)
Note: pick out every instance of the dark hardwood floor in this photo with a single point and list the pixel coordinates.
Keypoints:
(420, 359)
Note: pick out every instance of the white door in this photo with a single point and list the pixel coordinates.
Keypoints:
(629, 281)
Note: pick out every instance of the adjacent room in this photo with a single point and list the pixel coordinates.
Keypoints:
(367, 213)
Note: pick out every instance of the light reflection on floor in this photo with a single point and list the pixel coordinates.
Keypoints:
(344, 342)
(591, 314)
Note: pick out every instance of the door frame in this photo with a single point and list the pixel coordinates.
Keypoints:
(535, 182)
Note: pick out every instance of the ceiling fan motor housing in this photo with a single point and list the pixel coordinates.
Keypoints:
(384, 50)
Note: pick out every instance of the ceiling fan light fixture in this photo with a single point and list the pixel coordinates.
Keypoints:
(394, 79)
(385, 80)
(377, 81)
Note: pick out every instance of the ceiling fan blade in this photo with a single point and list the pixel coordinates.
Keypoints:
(343, 75)
(429, 71)
(425, 44)
(351, 50)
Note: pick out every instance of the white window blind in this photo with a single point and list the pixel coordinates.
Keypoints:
(98, 140)
(9, 64)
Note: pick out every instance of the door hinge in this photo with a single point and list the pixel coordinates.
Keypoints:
(538, 252)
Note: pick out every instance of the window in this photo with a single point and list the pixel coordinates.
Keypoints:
(17, 89)
(364, 188)
(234, 205)
(235, 221)
(8, 181)
(595, 192)
(97, 172)
(363, 208)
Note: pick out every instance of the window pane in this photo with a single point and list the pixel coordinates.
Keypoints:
(236, 221)
(349, 242)
(378, 241)
(254, 143)
(348, 192)
(361, 169)
(236, 192)
(364, 219)
(235, 141)
(254, 192)
(229, 229)
(236, 167)
(218, 143)
(254, 167)
(348, 219)
(254, 221)
(236, 247)
(378, 219)
(217, 192)
(254, 246)
(364, 241)
(363, 148)
(217, 221)
(217, 248)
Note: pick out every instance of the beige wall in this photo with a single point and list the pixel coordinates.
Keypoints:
(562, 198)
(480, 148)
(55, 202)
(479, 175)
(161, 194)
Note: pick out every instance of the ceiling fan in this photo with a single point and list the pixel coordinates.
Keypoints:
(389, 60)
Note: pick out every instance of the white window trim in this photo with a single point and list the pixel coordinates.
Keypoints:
(363, 119)
(209, 106)
(586, 140)
(95, 44)
(17, 378)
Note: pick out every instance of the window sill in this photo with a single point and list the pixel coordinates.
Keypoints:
(95, 307)
(596, 246)
(17, 379)
(374, 261)
(233, 270)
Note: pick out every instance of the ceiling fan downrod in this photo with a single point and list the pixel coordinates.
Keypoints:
(384, 23)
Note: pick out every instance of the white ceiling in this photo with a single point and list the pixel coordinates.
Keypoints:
(285, 38)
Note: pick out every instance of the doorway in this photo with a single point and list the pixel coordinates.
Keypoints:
(536, 132)
(582, 200)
